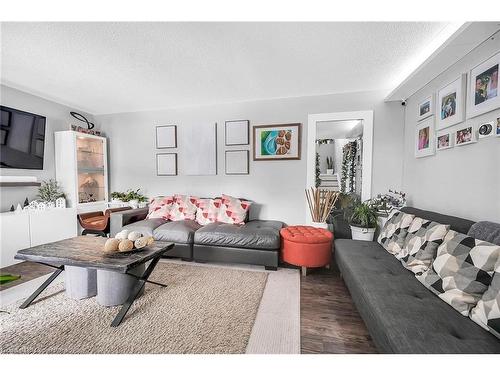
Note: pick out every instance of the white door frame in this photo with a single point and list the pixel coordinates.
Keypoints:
(367, 118)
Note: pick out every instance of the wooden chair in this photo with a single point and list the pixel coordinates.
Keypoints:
(97, 222)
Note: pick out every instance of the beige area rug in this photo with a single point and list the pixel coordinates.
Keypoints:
(203, 310)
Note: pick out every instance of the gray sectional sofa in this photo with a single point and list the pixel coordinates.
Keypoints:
(401, 314)
(255, 242)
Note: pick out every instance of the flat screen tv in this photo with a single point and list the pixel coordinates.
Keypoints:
(22, 139)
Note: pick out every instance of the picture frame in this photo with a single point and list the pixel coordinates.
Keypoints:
(465, 136)
(484, 94)
(444, 141)
(451, 103)
(425, 138)
(277, 142)
(237, 132)
(237, 162)
(486, 129)
(425, 108)
(166, 164)
(166, 136)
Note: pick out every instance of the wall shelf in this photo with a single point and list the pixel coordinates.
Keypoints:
(17, 184)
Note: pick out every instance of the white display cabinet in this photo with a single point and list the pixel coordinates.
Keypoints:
(82, 169)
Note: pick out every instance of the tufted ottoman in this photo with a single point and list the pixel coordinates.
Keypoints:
(306, 246)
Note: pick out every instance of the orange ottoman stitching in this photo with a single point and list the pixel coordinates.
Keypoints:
(306, 246)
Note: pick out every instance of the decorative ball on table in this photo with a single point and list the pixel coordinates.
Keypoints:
(111, 245)
(132, 236)
(141, 242)
(123, 235)
(151, 241)
(125, 245)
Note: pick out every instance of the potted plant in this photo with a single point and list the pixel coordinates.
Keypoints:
(49, 191)
(329, 165)
(363, 222)
(134, 198)
(117, 197)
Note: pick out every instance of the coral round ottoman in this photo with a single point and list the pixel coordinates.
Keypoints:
(306, 246)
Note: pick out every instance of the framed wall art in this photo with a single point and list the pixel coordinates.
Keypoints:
(237, 133)
(483, 87)
(426, 108)
(277, 142)
(199, 149)
(425, 138)
(451, 103)
(465, 136)
(237, 162)
(166, 164)
(166, 136)
(444, 141)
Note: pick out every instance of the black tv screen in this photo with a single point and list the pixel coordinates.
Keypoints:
(22, 139)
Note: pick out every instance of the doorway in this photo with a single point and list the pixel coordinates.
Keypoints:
(339, 153)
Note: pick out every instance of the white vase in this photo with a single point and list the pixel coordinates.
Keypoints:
(329, 171)
(319, 225)
(134, 203)
(362, 234)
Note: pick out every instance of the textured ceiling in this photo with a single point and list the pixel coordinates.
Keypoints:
(123, 67)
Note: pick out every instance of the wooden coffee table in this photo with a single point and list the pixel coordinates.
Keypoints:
(86, 252)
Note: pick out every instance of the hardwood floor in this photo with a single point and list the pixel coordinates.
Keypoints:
(329, 321)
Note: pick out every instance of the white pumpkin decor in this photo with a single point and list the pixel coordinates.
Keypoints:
(123, 235)
(132, 236)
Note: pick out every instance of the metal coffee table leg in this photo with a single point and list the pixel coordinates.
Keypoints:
(42, 287)
(141, 281)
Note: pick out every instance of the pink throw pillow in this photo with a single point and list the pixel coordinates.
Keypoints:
(233, 210)
(183, 208)
(207, 211)
(160, 207)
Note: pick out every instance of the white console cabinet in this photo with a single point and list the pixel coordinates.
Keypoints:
(31, 228)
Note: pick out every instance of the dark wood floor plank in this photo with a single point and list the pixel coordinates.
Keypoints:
(329, 321)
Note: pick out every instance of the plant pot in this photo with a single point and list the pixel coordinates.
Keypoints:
(116, 200)
(362, 234)
(329, 171)
(134, 203)
(319, 225)
(143, 204)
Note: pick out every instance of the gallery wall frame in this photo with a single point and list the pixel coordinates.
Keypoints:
(277, 142)
(425, 108)
(237, 132)
(425, 140)
(484, 94)
(465, 135)
(166, 164)
(444, 141)
(237, 162)
(166, 136)
(450, 106)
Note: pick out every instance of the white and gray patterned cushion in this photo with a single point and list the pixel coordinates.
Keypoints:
(487, 311)
(421, 244)
(393, 234)
(462, 271)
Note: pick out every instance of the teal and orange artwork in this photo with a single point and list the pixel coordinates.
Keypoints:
(275, 142)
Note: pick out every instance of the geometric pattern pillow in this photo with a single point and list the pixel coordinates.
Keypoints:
(421, 244)
(233, 210)
(487, 311)
(183, 208)
(393, 234)
(207, 210)
(159, 207)
(462, 271)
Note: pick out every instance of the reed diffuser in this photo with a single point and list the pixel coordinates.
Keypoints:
(320, 202)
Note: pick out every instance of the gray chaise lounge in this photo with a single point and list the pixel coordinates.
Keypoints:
(256, 242)
(401, 314)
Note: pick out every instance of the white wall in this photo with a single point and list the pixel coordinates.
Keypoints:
(462, 181)
(277, 187)
(58, 118)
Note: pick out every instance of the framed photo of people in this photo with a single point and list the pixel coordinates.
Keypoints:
(483, 87)
(425, 108)
(425, 138)
(451, 103)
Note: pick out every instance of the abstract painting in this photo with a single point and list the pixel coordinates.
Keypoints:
(276, 142)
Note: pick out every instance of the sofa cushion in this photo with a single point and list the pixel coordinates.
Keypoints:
(146, 227)
(402, 316)
(486, 231)
(233, 210)
(183, 208)
(181, 231)
(256, 234)
(421, 244)
(462, 270)
(207, 210)
(393, 234)
(487, 311)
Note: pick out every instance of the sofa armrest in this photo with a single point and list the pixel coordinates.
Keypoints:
(119, 219)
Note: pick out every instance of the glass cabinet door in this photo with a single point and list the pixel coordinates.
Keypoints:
(91, 173)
